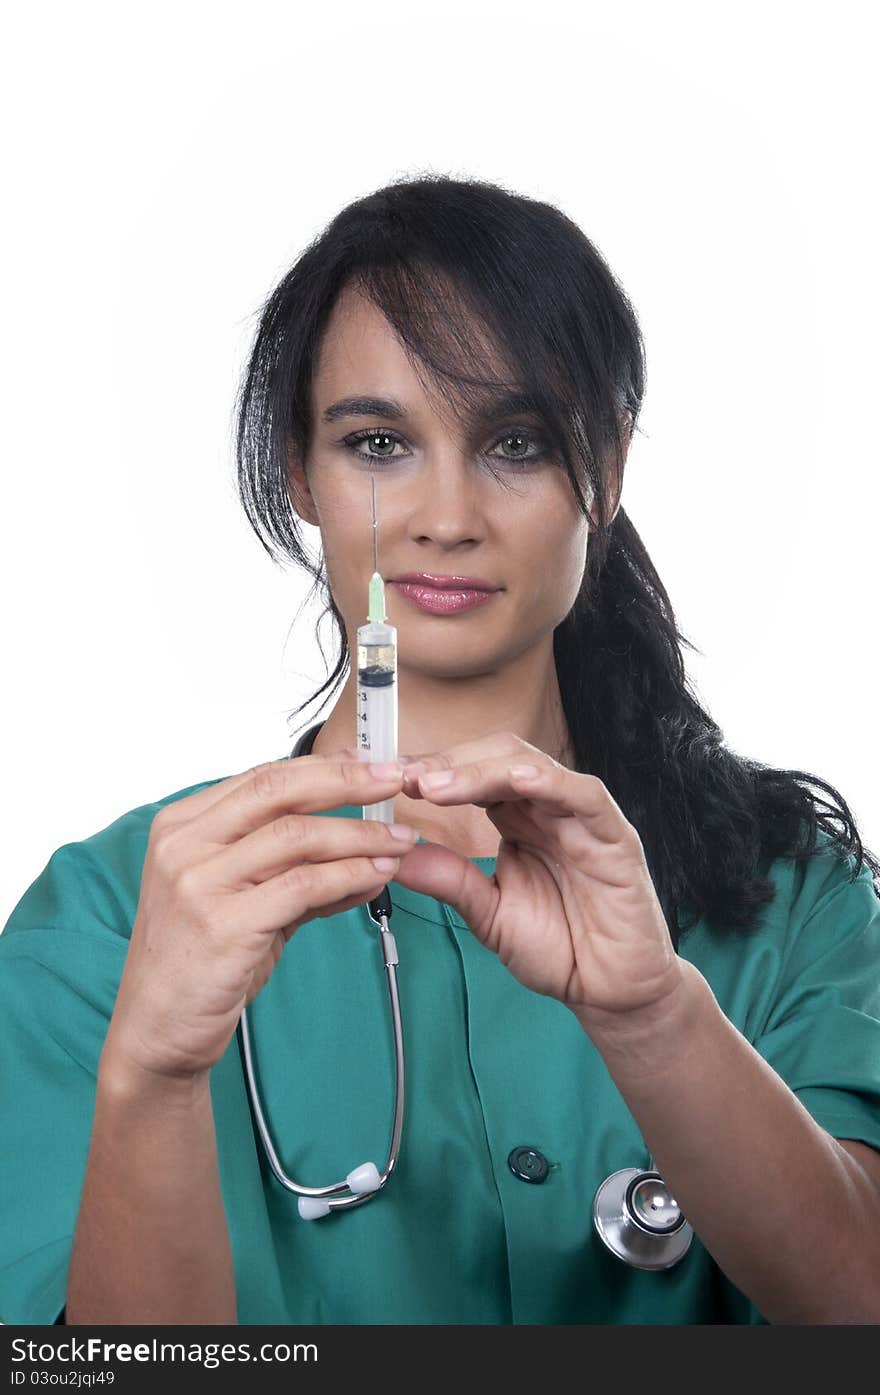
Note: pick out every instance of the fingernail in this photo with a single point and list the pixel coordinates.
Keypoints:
(402, 830)
(439, 778)
(386, 864)
(387, 771)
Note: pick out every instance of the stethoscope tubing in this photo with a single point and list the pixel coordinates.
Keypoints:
(378, 910)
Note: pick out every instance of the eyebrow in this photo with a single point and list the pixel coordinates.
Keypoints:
(496, 407)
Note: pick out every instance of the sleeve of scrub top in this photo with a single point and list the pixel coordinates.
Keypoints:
(823, 1032)
(60, 965)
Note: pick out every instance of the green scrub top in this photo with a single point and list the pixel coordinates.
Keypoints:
(455, 1236)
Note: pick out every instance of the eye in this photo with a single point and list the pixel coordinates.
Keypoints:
(521, 439)
(518, 438)
(373, 436)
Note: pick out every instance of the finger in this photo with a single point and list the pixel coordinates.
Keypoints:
(496, 744)
(555, 791)
(182, 810)
(310, 784)
(295, 839)
(306, 891)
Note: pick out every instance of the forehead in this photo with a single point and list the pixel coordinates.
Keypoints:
(362, 354)
(357, 340)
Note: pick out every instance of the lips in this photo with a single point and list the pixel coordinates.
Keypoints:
(446, 583)
(442, 600)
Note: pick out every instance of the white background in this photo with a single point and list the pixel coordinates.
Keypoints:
(163, 167)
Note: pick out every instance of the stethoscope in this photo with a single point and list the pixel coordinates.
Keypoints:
(362, 1182)
(633, 1212)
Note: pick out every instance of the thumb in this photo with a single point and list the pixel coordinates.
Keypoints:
(435, 870)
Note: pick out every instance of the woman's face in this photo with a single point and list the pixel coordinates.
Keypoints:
(440, 509)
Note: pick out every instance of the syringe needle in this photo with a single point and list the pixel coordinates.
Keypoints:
(377, 585)
(373, 501)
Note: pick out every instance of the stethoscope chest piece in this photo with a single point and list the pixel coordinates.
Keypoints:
(639, 1221)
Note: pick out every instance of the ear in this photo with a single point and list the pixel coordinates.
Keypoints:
(298, 486)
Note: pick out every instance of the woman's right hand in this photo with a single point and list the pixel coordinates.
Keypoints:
(231, 872)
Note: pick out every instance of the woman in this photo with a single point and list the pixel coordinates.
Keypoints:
(655, 954)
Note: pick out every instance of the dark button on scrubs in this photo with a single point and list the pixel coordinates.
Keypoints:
(528, 1164)
(457, 1236)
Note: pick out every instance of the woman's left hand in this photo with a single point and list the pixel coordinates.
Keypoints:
(571, 910)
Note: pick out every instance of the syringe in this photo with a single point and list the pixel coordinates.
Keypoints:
(375, 741)
(376, 736)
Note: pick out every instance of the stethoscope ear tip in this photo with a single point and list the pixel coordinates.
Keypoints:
(361, 1181)
(364, 1178)
(311, 1208)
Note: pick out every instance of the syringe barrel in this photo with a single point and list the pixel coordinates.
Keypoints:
(376, 738)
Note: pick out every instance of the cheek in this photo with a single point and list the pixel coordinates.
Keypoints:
(346, 540)
(551, 572)
(556, 547)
